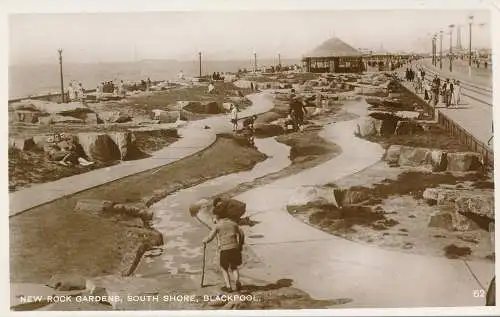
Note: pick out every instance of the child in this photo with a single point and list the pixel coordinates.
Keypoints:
(234, 117)
(230, 240)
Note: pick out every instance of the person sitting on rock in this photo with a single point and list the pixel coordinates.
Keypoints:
(211, 88)
(230, 240)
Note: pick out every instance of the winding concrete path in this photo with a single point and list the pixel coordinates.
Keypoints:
(194, 138)
(320, 264)
(329, 267)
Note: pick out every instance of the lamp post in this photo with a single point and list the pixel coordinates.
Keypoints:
(199, 58)
(61, 74)
(279, 59)
(254, 62)
(451, 47)
(441, 49)
(471, 18)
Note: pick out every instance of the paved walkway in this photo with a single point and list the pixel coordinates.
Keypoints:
(479, 76)
(328, 267)
(472, 115)
(320, 264)
(194, 138)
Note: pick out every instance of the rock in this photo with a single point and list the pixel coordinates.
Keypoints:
(413, 115)
(114, 117)
(131, 209)
(92, 118)
(345, 197)
(23, 105)
(469, 237)
(25, 116)
(306, 194)
(67, 282)
(367, 126)
(94, 206)
(439, 160)
(450, 220)
(441, 196)
(64, 119)
(392, 154)
(65, 109)
(410, 156)
(441, 220)
(478, 205)
(267, 117)
(407, 127)
(463, 161)
(99, 146)
(169, 116)
(20, 143)
(40, 141)
(267, 130)
(227, 106)
(123, 141)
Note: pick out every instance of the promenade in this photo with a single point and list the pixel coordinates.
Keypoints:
(475, 112)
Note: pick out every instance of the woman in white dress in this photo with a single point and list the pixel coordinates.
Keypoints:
(457, 92)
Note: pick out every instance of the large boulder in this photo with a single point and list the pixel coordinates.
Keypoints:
(123, 141)
(23, 105)
(415, 157)
(478, 205)
(209, 107)
(407, 127)
(439, 160)
(367, 126)
(114, 117)
(25, 116)
(99, 146)
(65, 109)
(94, 206)
(267, 117)
(59, 119)
(164, 116)
(388, 122)
(21, 143)
(451, 220)
(392, 154)
(67, 282)
(441, 196)
(92, 118)
(267, 130)
(463, 161)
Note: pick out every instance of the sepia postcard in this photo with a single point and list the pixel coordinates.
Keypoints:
(223, 160)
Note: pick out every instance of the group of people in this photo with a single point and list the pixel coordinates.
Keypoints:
(217, 76)
(450, 90)
(76, 91)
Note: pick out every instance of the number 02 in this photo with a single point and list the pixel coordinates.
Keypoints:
(478, 293)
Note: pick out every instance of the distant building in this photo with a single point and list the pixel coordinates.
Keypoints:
(333, 56)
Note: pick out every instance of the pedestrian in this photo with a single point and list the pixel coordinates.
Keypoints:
(251, 86)
(485, 64)
(72, 93)
(450, 93)
(296, 110)
(427, 89)
(230, 240)
(444, 93)
(234, 117)
(458, 92)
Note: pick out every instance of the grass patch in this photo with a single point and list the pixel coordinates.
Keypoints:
(61, 241)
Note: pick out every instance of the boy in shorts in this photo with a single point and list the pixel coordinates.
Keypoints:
(230, 240)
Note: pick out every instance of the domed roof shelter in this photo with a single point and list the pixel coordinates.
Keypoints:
(333, 56)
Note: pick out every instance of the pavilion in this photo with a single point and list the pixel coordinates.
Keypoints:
(333, 56)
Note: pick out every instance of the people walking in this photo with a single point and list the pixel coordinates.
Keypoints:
(230, 240)
(427, 91)
(435, 90)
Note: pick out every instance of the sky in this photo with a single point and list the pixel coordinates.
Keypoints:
(123, 37)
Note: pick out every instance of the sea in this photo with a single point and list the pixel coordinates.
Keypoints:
(30, 80)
